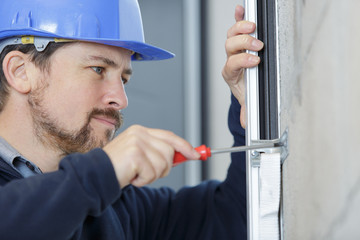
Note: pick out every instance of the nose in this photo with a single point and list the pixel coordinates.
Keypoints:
(115, 96)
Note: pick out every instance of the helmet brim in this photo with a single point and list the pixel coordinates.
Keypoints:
(143, 51)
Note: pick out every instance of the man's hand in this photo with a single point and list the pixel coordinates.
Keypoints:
(238, 41)
(141, 155)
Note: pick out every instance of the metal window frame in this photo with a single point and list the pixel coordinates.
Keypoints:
(268, 71)
(262, 100)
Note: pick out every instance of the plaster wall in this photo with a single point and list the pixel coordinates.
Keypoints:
(319, 69)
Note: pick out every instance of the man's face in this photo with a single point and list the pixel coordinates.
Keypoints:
(76, 106)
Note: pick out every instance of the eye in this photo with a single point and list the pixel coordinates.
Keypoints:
(98, 70)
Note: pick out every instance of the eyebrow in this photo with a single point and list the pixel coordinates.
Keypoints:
(111, 63)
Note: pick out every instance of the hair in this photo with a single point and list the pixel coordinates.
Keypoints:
(40, 59)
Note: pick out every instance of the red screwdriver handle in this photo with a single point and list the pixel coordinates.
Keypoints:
(204, 151)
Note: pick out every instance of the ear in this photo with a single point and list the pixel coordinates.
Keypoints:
(14, 67)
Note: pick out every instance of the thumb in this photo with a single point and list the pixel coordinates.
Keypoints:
(243, 117)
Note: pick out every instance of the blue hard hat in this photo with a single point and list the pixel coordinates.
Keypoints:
(110, 22)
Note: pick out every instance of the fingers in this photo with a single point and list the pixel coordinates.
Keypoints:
(240, 43)
(237, 43)
(235, 64)
(239, 13)
(141, 155)
(156, 163)
(242, 27)
(178, 143)
(243, 116)
(240, 61)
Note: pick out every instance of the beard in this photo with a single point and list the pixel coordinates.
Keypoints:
(48, 131)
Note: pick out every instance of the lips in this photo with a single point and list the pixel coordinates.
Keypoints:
(107, 121)
(109, 117)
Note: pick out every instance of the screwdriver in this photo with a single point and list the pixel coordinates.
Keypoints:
(206, 152)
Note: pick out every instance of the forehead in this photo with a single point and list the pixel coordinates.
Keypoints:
(86, 51)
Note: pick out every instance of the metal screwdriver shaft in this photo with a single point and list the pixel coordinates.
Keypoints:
(242, 148)
(206, 152)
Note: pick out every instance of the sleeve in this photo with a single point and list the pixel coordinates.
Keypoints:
(54, 205)
(211, 210)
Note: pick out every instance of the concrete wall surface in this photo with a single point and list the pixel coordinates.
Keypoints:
(320, 97)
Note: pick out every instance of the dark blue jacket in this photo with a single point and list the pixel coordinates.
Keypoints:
(83, 200)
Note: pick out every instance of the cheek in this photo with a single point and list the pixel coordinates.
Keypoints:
(72, 95)
(71, 106)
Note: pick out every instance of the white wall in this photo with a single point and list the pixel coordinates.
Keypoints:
(220, 19)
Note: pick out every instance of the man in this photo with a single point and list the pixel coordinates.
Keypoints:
(64, 66)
